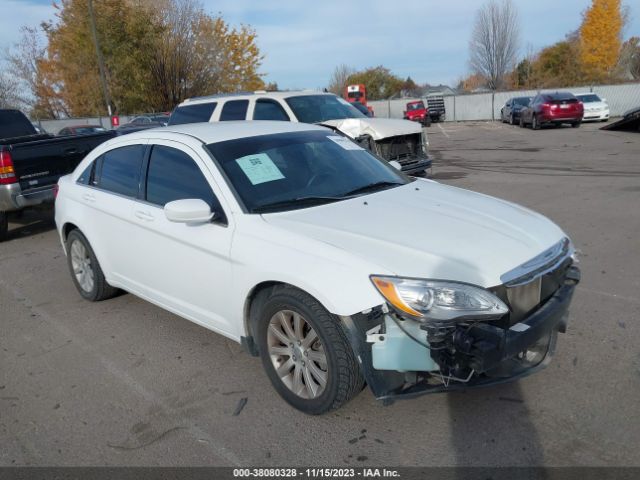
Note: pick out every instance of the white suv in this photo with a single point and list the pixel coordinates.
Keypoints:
(315, 254)
(391, 139)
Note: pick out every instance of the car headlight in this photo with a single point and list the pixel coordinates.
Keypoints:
(438, 301)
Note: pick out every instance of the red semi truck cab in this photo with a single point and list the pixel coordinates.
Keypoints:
(357, 94)
(417, 112)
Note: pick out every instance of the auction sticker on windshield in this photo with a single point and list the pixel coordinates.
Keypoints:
(345, 143)
(259, 168)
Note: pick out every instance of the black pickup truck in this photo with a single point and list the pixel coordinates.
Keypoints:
(31, 163)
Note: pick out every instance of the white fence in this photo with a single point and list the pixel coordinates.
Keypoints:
(486, 106)
(54, 126)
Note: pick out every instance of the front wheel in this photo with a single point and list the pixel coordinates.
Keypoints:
(306, 353)
(512, 120)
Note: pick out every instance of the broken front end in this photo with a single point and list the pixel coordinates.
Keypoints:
(410, 151)
(435, 336)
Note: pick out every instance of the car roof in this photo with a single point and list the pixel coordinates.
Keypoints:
(247, 95)
(221, 131)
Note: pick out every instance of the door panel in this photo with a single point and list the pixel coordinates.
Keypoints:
(184, 267)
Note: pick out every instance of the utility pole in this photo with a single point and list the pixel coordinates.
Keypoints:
(103, 78)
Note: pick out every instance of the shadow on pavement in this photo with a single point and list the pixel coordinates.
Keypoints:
(31, 222)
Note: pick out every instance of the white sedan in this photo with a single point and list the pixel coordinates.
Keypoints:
(595, 108)
(324, 260)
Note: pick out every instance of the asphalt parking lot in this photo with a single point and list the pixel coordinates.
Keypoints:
(123, 382)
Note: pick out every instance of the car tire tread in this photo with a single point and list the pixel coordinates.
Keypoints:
(101, 289)
(349, 377)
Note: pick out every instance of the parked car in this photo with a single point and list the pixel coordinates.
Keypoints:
(417, 112)
(595, 108)
(511, 110)
(146, 121)
(31, 163)
(319, 257)
(81, 130)
(552, 109)
(391, 139)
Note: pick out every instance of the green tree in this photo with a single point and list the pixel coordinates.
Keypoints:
(379, 82)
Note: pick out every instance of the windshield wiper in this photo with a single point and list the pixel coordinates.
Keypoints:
(371, 187)
(296, 202)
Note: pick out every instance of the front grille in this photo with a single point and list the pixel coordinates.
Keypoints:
(404, 149)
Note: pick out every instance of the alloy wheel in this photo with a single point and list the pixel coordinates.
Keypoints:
(81, 264)
(297, 354)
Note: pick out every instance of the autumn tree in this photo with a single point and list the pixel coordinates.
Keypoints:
(156, 53)
(600, 38)
(339, 78)
(494, 41)
(379, 82)
(558, 65)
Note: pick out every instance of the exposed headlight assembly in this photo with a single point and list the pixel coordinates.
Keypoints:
(436, 301)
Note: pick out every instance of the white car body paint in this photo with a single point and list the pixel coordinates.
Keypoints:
(206, 272)
(377, 128)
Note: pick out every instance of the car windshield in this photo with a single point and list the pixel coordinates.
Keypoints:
(524, 101)
(415, 106)
(591, 98)
(288, 171)
(319, 108)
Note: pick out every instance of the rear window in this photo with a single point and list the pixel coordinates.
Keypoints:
(200, 112)
(234, 110)
(558, 97)
(14, 124)
(120, 170)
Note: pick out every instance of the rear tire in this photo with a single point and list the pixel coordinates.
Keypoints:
(576, 124)
(305, 353)
(4, 226)
(534, 123)
(85, 269)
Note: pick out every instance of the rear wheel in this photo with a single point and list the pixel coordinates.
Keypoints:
(534, 123)
(85, 270)
(4, 226)
(575, 124)
(305, 353)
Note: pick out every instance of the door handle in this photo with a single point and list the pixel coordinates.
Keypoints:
(88, 197)
(144, 215)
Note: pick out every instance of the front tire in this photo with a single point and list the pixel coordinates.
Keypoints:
(511, 120)
(522, 122)
(4, 226)
(305, 353)
(85, 270)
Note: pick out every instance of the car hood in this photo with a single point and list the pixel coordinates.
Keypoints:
(378, 128)
(428, 230)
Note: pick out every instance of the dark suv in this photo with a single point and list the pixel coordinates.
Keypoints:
(554, 109)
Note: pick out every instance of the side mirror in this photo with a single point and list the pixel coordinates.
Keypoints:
(395, 165)
(191, 210)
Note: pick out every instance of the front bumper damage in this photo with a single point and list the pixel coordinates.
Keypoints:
(478, 353)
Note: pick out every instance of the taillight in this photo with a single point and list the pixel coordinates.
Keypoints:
(7, 173)
(548, 105)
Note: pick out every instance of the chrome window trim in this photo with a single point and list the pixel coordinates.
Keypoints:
(539, 265)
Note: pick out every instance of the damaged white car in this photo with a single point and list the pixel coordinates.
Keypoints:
(396, 140)
(331, 265)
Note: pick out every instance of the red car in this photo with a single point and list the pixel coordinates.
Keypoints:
(417, 112)
(552, 109)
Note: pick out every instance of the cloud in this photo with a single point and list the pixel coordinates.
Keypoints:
(16, 14)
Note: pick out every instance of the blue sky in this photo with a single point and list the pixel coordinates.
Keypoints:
(304, 40)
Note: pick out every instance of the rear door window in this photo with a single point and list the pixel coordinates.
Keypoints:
(174, 175)
(120, 170)
(234, 110)
(269, 110)
(197, 113)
